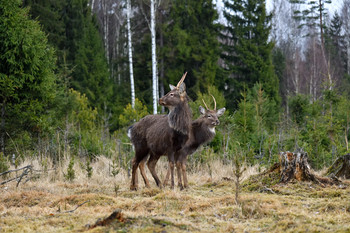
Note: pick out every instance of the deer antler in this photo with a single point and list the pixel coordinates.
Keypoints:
(214, 102)
(205, 104)
(181, 80)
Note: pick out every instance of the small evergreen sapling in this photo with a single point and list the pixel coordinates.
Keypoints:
(88, 168)
(70, 176)
(238, 172)
(3, 163)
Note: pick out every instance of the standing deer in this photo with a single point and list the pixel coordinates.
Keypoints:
(203, 131)
(158, 135)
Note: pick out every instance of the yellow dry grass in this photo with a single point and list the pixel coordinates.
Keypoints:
(209, 205)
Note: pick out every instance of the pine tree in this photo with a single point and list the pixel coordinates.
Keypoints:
(27, 81)
(313, 18)
(312, 15)
(247, 52)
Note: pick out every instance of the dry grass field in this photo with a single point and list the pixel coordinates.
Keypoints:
(51, 204)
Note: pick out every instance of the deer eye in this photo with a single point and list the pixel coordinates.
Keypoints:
(209, 116)
(172, 94)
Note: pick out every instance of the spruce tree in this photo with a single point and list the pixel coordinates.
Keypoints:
(50, 15)
(73, 31)
(247, 52)
(91, 75)
(86, 55)
(336, 46)
(191, 44)
(27, 81)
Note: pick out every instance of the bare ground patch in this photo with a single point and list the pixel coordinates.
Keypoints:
(53, 205)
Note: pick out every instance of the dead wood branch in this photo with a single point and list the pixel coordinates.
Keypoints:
(19, 178)
(340, 168)
(7, 181)
(15, 170)
(25, 173)
(71, 211)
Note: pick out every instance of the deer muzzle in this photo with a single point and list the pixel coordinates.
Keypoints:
(161, 102)
(217, 122)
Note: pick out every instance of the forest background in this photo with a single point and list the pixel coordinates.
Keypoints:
(65, 84)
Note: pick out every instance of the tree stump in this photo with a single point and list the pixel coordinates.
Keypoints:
(290, 168)
(340, 168)
(115, 216)
(295, 166)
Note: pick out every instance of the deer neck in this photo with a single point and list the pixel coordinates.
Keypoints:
(212, 129)
(202, 133)
(180, 118)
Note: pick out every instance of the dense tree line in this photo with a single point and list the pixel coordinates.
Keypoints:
(65, 86)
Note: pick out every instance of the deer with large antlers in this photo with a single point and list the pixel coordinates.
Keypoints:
(159, 135)
(203, 131)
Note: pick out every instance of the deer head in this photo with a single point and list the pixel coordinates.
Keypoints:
(211, 117)
(176, 95)
(180, 116)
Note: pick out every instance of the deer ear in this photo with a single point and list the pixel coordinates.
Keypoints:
(172, 87)
(221, 111)
(182, 88)
(201, 110)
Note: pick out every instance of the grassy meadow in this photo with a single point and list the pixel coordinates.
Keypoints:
(49, 203)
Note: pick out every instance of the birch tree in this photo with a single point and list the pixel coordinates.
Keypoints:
(132, 85)
(154, 59)
(345, 14)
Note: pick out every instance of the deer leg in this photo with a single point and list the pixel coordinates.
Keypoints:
(165, 182)
(139, 156)
(167, 176)
(171, 167)
(179, 179)
(134, 180)
(152, 162)
(143, 173)
(183, 168)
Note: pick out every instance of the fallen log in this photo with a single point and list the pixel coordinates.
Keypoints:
(26, 170)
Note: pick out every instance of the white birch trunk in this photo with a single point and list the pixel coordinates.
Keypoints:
(154, 60)
(345, 13)
(295, 79)
(92, 6)
(130, 54)
(348, 53)
(105, 28)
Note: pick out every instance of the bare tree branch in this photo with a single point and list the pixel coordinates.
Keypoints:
(15, 170)
(71, 211)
